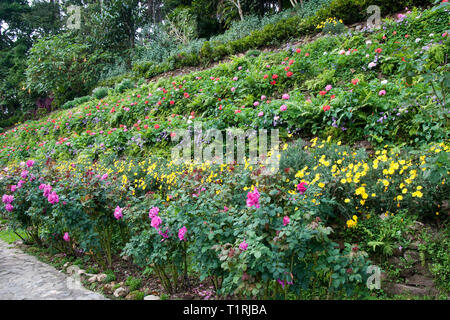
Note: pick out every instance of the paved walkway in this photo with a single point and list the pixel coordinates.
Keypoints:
(24, 277)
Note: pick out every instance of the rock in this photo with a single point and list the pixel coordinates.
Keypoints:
(421, 281)
(399, 288)
(414, 245)
(395, 261)
(120, 292)
(411, 256)
(18, 242)
(108, 288)
(92, 279)
(422, 270)
(151, 297)
(417, 226)
(407, 272)
(66, 265)
(101, 277)
(81, 272)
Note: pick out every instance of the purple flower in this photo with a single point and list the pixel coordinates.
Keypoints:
(156, 221)
(118, 213)
(153, 212)
(243, 246)
(283, 107)
(7, 199)
(253, 199)
(30, 163)
(286, 221)
(181, 233)
(9, 207)
(53, 198)
(24, 174)
(66, 237)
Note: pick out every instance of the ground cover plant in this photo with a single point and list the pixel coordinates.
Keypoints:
(363, 120)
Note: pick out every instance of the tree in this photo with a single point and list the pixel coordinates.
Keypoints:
(64, 66)
(182, 24)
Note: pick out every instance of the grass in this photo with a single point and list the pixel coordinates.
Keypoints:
(9, 236)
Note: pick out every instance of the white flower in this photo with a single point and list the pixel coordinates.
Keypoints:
(342, 52)
(418, 40)
(384, 82)
(431, 34)
(368, 42)
(325, 53)
(347, 53)
(189, 121)
(367, 55)
(372, 64)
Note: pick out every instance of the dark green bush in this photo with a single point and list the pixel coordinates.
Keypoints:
(76, 102)
(100, 92)
(124, 85)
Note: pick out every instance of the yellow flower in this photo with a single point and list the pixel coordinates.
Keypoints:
(347, 200)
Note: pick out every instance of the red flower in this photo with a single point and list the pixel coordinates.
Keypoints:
(186, 95)
(322, 93)
(156, 126)
(289, 74)
(378, 50)
(275, 76)
(172, 102)
(298, 50)
(355, 81)
(266, 76)
(307, 54)
(273, 82)
(332, 97)
(326, 108)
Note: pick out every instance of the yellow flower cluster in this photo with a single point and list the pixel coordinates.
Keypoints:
(333, 21)
(352, 222)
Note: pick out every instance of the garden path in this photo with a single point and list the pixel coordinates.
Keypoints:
(24, 277)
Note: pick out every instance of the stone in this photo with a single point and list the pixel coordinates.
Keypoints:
(101, 277)
(108, 288)
(414, 245)
(411, 256)
(399, 288)
(422, 270)
(151, 297)
(419, 280)
(66, 265)
(25, 277)
(92, 279)
(81, 272)
(406, 272)
(120, 292)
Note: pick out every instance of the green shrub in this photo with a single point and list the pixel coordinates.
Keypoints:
(100, 92)
(133, 283)
(124, 85)
(76, 102)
